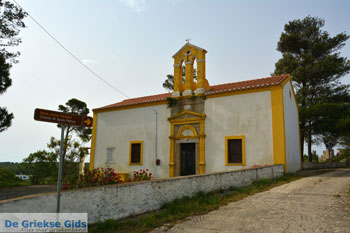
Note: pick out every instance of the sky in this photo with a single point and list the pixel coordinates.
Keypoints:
(130, 43)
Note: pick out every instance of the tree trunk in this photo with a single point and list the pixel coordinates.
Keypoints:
(65, 146)
(309, 144)
(302, 139)
(329, 152)
(301, 145)
(65, 142)
(81, 165)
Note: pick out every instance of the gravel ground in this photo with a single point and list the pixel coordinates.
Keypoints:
(317, 203)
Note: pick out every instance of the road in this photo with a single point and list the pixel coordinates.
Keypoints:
(313, 204)
(19, 191)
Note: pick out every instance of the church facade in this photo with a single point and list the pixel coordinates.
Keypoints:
(199, 128)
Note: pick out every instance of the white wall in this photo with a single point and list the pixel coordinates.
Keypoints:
(291, 129)
(249, 115)
(118, 128)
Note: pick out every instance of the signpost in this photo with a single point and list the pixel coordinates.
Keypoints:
(62, 118)
(65, 119)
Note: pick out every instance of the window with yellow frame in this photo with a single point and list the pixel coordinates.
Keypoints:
(235, 150)
(135, 153)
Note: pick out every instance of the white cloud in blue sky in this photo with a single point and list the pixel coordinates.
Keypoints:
(135, 5)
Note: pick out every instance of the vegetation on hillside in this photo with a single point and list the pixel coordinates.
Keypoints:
(8, 178)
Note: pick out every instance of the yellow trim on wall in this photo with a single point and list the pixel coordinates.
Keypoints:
(243, 150)
(183, 128)
(172, 152)
(175, 120)
(187, 120)
(189, 137)
(202, 149)
(141, 152)
(93, 142)
(278, 131)
(241, 92)
(130, 106)
(214, 95)
(187, 112)
(286, 81)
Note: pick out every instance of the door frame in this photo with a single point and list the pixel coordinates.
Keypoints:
(186, 120)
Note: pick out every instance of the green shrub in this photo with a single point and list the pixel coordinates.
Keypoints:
(8, 178)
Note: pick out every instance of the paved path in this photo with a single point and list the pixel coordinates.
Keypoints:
(313, 204)
(19, 191)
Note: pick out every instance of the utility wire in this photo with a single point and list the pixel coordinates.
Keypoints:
(70, 53)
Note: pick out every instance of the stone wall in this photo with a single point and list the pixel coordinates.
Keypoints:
(123, 200)
(323, 165)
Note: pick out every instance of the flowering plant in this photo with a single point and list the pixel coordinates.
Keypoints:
(96, 177)
(142, 175)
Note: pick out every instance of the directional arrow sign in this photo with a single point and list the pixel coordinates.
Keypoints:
(62, 118)
(87, 121)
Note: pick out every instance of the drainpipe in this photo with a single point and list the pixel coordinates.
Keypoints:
(156, 142)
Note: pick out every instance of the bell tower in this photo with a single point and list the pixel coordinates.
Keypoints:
(186, 56)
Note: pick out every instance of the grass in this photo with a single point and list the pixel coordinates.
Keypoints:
(179, 209)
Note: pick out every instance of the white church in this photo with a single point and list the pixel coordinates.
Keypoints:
(199, 128)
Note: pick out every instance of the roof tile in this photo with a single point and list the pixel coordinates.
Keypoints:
(221, 88)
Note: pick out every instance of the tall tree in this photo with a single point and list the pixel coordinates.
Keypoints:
(313, 59)
(5, 82)
(11, 22)
(73, 150)
(75, 106)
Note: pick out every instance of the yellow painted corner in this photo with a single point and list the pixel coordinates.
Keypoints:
(278, 131)
(286, 81)
(93, 142)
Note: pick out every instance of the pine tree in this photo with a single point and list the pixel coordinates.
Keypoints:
(11, 18)
(313, 59)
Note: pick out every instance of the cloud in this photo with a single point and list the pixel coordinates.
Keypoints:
(135, 5)
(87, 61)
